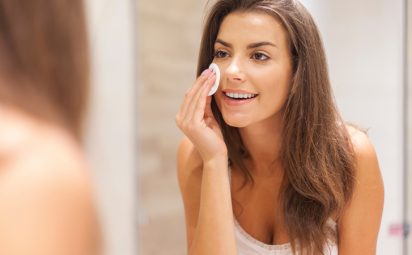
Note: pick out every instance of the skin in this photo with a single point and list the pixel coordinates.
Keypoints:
(46, 198)
(202, 155)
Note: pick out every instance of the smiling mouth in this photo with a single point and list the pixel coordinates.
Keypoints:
(240, 96)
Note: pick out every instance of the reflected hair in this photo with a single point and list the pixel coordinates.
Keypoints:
(316, 152)
(44, 64)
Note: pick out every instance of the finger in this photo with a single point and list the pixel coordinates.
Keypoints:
(191, 105)
(199, 111)
(194, 104)
(192, 91)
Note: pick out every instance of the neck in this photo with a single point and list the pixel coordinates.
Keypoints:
(263, 142)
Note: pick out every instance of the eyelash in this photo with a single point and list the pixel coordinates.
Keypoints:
(218, 52)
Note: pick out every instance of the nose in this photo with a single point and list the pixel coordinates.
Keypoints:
(234, 71)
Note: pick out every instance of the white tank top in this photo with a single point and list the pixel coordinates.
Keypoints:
(248, 245)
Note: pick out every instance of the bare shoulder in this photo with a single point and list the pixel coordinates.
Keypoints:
(367, 170)
(38, 155)
(46, 195)
(27, 141)
(365, 154)
(360, 140)
(360, 222)
(44, 155)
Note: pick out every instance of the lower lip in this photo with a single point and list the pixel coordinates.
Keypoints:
(235, 102)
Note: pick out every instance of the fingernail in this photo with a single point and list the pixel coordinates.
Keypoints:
(205, 72)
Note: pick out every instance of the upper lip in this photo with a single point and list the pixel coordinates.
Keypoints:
(237, 91)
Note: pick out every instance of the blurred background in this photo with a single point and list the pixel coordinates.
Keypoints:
(144, 56)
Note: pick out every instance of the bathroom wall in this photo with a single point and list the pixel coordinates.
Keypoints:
(111, 129)
(169, 32)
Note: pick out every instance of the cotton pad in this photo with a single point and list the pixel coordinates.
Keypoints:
(214, 68)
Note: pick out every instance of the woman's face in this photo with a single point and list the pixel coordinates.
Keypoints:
(252, 53)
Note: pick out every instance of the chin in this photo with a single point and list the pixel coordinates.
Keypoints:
(236, 121)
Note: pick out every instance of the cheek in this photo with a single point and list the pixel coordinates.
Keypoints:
(275, 91)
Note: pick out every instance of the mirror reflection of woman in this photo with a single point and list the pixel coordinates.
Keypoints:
(267, 165)
(47, 203)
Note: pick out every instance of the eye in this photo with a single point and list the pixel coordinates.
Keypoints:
(221, 54)
(260, 56)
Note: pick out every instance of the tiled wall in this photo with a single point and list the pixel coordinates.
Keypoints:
(168, 40)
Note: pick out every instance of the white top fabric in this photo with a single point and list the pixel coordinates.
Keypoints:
(247, 245)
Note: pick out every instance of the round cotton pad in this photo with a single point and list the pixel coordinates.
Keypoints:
(216, 70)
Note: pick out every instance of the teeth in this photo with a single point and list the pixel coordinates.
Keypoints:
(239, 95)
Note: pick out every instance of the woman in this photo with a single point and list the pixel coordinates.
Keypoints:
(267, 165)
(46, 198)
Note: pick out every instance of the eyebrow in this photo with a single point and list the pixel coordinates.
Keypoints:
(250, 46)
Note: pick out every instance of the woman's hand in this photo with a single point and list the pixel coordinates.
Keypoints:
(196, 120)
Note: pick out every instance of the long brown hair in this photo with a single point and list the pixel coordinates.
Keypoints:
(316, 151)
(44, 62)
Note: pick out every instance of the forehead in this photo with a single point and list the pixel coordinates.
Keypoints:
(249, 27)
